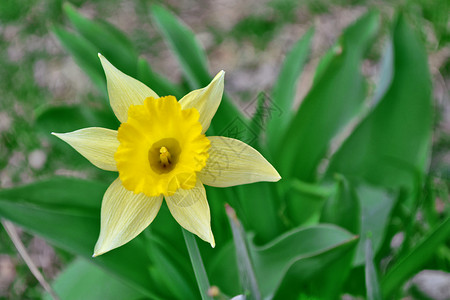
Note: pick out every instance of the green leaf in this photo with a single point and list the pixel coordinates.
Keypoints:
(376, 207)
(184, 45)
(386, 72)
(66, 212)
(70, 118)
(334, 99)
(342, 208)
(258, 209)
(372, 286)
(246, 273)
(283, 92)
(326, 59)
(83, 280)
(304, 201)
(415, 259)
(307, 250)
(321, 276)
(223, 271)
(171, 268)
(156, 82)
(84, 54)
(391, 145)
(197, 264)
(257, 121)
(108, 40)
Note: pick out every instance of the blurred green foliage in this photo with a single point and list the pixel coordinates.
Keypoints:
(324, 230)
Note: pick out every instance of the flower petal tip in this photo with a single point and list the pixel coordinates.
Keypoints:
(220, 75)
(276, 176)
(211, 240)
(98, 252)
(61, 136)
(58, 135)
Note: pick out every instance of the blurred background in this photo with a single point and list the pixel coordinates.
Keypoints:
(247, 39)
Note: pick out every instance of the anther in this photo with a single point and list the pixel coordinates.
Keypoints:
(164, 156)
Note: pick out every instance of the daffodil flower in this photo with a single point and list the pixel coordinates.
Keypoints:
(160, 151)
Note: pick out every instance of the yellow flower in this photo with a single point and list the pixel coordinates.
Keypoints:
(160, 151)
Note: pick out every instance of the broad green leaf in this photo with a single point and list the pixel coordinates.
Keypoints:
(321, 276)
(372, 285)
(376, 206)
(334, 99)
(158, 83)
(84, 54)
(223, 271)
(283, 92)
(306, 250)
(193, 61)
(108, 40)
(406, 266)
(342, 208)
(246, 273)
(83, 280)
(66, 212)
(390, 146)
(258, 210)
(171, 269)
(304, 201)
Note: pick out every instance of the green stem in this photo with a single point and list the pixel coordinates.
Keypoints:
(197, 264)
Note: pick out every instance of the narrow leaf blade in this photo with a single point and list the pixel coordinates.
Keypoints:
(84, 53)
(246, 272)
(285, 87)
(390, 146)
(372, 285)
(412, 262)
(332, 102)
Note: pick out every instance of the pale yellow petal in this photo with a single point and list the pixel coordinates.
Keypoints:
(124, 90)
(206, 100)
(124, 215)
(96, 144)
(191, 210)
(232, 162)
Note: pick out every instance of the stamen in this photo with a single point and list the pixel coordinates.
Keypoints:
(164, 156)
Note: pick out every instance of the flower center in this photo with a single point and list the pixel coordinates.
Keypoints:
(161, 147)
(164, 155)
